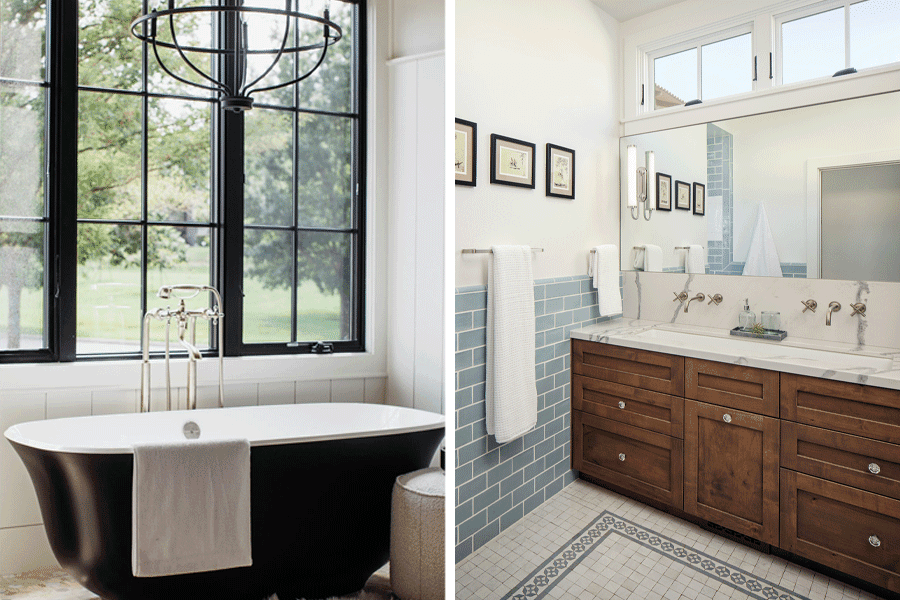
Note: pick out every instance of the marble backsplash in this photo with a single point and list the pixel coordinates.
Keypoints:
(651, 296)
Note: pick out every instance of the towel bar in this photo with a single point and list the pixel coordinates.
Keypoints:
(684, 247)
(488, 250)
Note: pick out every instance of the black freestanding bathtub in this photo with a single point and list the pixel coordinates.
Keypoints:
(321, 479)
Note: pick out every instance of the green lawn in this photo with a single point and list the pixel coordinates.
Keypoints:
(109, 305)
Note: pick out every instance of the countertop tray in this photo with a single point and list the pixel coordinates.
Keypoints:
(775, 336)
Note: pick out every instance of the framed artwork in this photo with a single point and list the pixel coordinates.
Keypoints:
(682, 195)
(512, 161)
(663, 191)
(699, 199)
(560, 172)
(465, 152)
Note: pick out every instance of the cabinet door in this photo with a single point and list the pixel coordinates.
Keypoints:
(734, 386)
(851, 530)
(629, 366)
(642, 461)
(731, 469)
(642, 408)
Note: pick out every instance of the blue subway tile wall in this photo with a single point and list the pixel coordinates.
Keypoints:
(498, 484)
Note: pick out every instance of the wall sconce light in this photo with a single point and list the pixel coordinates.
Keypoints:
(640, 183)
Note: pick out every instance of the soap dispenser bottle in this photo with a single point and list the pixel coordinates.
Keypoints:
(747, 318)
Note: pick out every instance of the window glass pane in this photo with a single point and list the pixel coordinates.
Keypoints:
(268, 167)
(109, 156)
(268, 260)
(178, 177)
(22, 30)
(325, 171)
(177, 255)
(22, 145)
(109, 288)
(812, 46)
(675, 78)
(331, 86)
(21, 285)
(108, 55)
(727, 67)
(874, 30)
(325, 286)
(192, 30)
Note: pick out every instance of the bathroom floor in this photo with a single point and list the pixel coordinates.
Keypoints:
(56, 584)
(588, 542)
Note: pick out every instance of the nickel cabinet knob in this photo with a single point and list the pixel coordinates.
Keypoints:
(874, 469)
(873, 539)
(621, 404)
(727, 418)
(622, 457)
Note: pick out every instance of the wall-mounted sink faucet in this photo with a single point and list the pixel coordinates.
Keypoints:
(699, 297)
(717, 299)
(680, 297)
(832, 307)
(809, 304)
(858, 309)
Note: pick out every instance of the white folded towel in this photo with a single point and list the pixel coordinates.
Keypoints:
(605, 271)
(190, 507)
(762, 257)
(638, 258)
(652, 258)
(510, 387)
(695, 261)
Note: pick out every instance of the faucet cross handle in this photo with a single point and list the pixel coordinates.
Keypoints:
(809, 304)
(716, 299)
(858, 309)
(682, 297)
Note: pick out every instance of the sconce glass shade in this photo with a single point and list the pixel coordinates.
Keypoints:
(632, 176)
(651, 179)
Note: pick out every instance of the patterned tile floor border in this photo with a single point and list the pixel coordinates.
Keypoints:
(564, 561)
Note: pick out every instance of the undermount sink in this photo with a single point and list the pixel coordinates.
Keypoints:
(755, 349)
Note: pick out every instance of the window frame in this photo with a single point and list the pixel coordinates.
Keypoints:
(695, 42)
(226, 219)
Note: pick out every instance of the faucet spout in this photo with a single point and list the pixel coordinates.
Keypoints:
(832, 307)
(699, 297)
(193, 352)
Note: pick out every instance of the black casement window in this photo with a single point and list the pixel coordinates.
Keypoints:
(117, 179)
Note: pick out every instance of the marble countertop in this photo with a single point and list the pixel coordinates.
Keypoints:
(853, 363)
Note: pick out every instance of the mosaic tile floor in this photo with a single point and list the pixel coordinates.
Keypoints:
(590, 543)
(56, 584)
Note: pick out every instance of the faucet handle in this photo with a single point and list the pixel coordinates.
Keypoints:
(682, 296)
(809, 304)
(858, 309)
(716, 299)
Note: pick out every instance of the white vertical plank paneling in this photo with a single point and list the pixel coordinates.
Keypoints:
(18, 501)
(348, 390)
(402, 238)
(68, 403)
(429, 231)
(376, 388)
(276, 392)
(312, 391)
(114, 402)
(25, 549)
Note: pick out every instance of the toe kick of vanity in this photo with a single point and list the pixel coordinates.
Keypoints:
(808, 465)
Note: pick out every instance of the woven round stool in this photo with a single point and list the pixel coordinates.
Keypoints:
(417, 535)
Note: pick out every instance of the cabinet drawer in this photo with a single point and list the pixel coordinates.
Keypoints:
(731, 469)
(867, 464)
(642, 408)
(832, 524)
(861, 410)
(734, 386)
(629, 366)
(645, 462)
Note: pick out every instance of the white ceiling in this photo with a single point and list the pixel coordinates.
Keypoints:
(622, 10)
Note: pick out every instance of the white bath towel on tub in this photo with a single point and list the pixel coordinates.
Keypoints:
(510, 390)
(190, 507)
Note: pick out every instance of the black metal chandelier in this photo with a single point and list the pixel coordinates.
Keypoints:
(228, 75)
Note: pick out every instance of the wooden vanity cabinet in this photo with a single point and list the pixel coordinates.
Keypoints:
(806, 464)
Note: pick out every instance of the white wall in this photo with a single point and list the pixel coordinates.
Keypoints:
(418, 27)
(680, 153)
(541, 76)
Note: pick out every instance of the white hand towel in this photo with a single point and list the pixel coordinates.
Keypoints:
(606, 279)
(762, 257)
(652, 258)
(638, 259)
(510, 387)
(190, 507)
(695, 261)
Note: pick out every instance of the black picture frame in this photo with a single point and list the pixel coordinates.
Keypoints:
(679, 199)
(663, 195)
(518, 155)
(699, 199)
(560, 176)
(464, 167)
